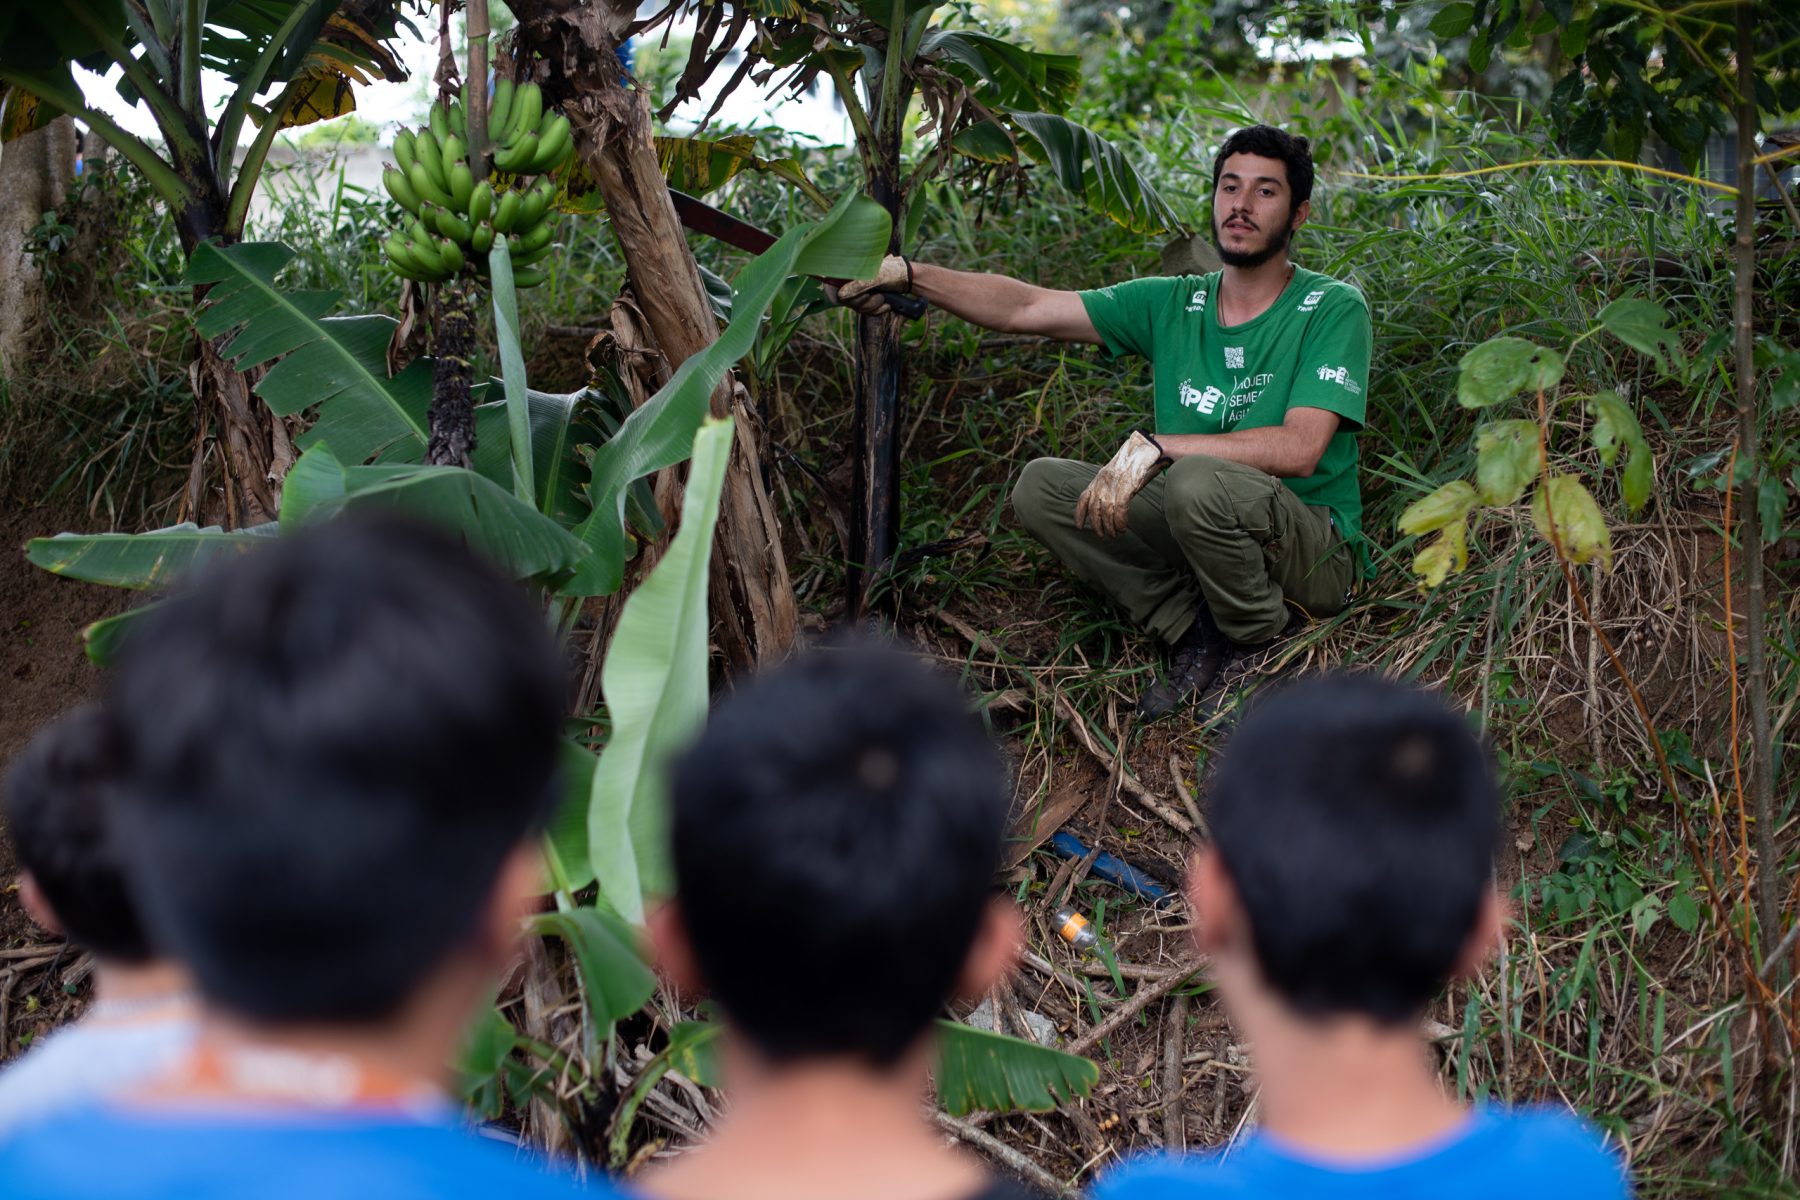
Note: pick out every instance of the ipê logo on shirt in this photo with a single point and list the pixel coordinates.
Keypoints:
(1206, 402)
(1341, 377)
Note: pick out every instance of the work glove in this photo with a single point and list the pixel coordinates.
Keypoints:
(865, 295)
(1103, 506)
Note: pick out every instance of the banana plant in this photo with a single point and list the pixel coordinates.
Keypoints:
(289, 62)
(986, 103)
(369, 432)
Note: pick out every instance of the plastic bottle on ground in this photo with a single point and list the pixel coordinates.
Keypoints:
(1075, 929)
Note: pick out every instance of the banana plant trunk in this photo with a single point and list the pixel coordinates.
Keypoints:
(241, 450)
(576, 61)
(875, 439)
(875, 425)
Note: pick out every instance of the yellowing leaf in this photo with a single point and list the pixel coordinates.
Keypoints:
(1447, 553)
(323, 97)
(21, 112)
(698, 165)
(1450, 503)
(1507, 458)
(1503, 366)
(1579, 526)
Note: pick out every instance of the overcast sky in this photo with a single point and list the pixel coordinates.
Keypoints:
(389, 105)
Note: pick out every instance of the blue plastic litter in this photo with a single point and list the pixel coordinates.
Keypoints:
(1114, 870)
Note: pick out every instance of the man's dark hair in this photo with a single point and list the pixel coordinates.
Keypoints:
(1266, 141)
(837, 828)
(335, 742)
(58, 814)
(1357, 819)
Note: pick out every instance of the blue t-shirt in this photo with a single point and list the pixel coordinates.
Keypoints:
(1497, 1155)
(154, 1156)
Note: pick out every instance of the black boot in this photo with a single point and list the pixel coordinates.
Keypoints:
(1194, 662)
(1243, 661)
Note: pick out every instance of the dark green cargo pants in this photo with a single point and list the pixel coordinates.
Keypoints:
(1203, 528)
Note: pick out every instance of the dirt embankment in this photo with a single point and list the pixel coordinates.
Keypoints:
(43, 673)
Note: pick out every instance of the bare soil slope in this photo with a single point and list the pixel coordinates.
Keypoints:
(43, 673)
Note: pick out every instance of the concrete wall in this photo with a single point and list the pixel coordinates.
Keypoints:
(35, 173)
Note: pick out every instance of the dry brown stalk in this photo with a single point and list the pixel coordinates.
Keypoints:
(1720, 916)
(1762, 765)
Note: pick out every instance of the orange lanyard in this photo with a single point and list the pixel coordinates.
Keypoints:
(292, 1078)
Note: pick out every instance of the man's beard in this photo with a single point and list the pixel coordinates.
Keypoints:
(1253, 258)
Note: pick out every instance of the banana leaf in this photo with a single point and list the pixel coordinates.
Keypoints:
(702, 165)
(21, 113)
(560, 425)
(1007, 76)
(847, 243)
(336, 363)
(505, 530)
(566, 839)
(512, 369)
(140, 560)
(102, 640)
(655, 685)
(613, 973)
(978, 1070)
(1085, 163)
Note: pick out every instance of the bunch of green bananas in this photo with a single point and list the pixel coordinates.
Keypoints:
(527, 140)
(454, 219)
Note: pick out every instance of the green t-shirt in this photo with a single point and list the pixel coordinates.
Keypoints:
(1310, 349)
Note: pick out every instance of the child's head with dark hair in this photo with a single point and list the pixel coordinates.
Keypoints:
(1266, 141)
(340, 744)
(1354, 823)
(837, 828)
(58, 815)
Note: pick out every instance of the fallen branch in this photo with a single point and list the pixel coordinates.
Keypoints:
(1187, 797)
(1004, 1153)
(1092, 970)
(1174, 1039)
(1145, 996)
(1084, 733)
(39, 951)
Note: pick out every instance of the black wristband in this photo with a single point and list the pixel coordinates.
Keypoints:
(1151, 438)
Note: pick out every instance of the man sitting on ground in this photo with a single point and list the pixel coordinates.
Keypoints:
(142, 1018)
(1350, 875)
(1261, 379)
(837, 829)
(340, 752)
